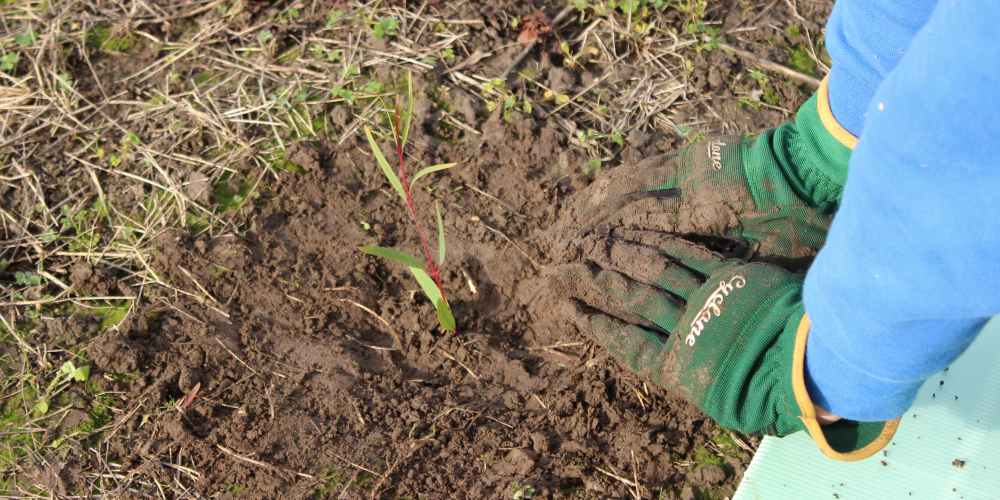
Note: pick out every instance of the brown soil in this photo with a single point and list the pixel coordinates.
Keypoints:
(320, 372)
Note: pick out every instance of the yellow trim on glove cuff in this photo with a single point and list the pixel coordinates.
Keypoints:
(830, 123)
(808, 408)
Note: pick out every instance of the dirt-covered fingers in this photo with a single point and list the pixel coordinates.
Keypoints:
(688, 253)
(618, 295)
(642, 263)
(607, 195)
(641, 349)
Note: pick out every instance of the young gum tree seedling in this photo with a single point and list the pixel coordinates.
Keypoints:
(427, 273)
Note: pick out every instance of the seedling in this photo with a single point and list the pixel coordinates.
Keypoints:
(428, 273)
(385, 27)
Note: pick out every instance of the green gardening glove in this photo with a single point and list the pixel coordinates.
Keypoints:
(775, 193)
(728, 335)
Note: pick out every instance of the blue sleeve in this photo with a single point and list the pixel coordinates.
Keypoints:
(909, 272)
(866, 39)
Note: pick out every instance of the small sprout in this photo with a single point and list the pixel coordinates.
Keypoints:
(385, 27)
(333, 17)
(617, 138)
(522, 491)
(448, 54)
(131, 139)
(112, 315)
(799, 58)
(25, 278)
(40, 408)
(65, 81)
(8, 61)
(372, 87)
(427, 274)
(565, 48)
(593, 166)
(345, 94)
(365, 225)
(26, 39)
(75, 373)
(526, 106)
(629, 7)
(291, 14)
(265, 36)
(103, 37)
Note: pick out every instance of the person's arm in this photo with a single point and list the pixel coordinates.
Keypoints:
(866, 39)
(906, 278)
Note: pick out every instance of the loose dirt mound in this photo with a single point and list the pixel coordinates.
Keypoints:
(306, 376)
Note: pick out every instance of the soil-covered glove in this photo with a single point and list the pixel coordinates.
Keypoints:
(727, 334)
(775, 192)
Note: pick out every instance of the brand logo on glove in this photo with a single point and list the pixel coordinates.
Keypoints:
(713, 307)
(715, 153)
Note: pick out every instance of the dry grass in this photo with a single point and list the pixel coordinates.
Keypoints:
(125, 121)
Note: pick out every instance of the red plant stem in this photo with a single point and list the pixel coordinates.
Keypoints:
(411, 207)
(432, 267)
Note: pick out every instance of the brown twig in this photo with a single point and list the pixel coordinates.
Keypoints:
(258, 463)
(772, 66)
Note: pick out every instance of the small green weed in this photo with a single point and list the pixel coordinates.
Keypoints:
(333, 17)
(799, 58)
(230, 193)
(520, 491)
(385, 27)
(27, 278)
(112, 314)
(8, 61)
(766, 93)
(703, 456)
(104, 38)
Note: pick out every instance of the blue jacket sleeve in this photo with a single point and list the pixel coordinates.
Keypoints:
(908, 274)
(866, 39)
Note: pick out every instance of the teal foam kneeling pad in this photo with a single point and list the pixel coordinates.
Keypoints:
(947, 445)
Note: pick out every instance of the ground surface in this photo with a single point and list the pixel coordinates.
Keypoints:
(183, 190)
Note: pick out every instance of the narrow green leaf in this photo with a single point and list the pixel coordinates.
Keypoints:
(384, 165)
(430, 170)
(445, 318)
(427, 284)
(440, 225)
(408, 117)
(394, 255)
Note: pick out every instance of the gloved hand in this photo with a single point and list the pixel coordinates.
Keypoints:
(729, 335)
(776, 192)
